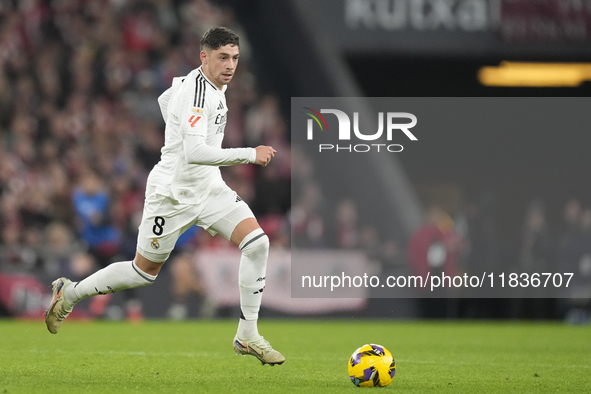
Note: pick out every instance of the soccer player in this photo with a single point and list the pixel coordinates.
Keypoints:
(186, 188)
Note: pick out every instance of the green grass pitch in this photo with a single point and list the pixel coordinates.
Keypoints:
(197, 357)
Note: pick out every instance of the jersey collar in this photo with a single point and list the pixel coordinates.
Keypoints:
(200, 69)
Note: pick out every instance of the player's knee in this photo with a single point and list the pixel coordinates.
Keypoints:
(154, 271)
(150, 263)
(253, 264)
(257, 248)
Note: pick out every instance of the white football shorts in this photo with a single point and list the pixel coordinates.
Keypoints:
(164, 220)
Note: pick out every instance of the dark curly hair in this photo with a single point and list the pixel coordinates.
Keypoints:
(217, 37)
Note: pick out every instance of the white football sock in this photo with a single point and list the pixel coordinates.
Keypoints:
(247, 329)
(251, 278)
(112, 278)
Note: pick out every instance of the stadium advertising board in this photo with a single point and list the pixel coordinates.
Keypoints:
(457, 27)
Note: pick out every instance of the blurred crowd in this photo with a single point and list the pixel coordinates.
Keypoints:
(80, 127)
(317, 222)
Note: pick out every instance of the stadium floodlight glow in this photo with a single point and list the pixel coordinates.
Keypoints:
(524, 74)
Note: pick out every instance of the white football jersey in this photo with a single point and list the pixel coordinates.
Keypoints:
(195, 113)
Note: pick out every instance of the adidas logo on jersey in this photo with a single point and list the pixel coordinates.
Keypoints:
(221, 105)
(238, 199)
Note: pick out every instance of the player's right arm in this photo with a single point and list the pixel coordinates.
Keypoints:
(165, 97)
(198, 152)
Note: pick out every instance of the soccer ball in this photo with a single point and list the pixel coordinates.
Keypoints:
(371, 366)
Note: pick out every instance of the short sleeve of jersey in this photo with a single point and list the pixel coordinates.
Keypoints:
(193, 108)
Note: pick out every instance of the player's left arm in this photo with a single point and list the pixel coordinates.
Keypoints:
(264, 154)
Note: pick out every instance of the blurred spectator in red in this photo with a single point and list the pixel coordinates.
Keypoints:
(435, 245)
(141, 31)
(346, 224)
(433, 248)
